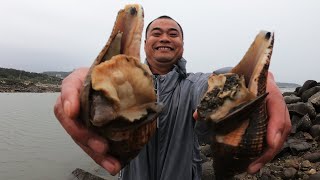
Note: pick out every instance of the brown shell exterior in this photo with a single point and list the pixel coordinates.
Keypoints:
(126, 141)
(125, 138)
(249, 124)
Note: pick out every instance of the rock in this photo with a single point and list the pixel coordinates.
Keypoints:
(312, 157)
(299, 146)
(315, 101)
(274, 167)
(315, 131)
(289, 173)
(207, 171)
(308, 93)
(307, 85)
(302, 109)
(315, 176)
(306, 123)
(295, 123)
(268, 177)
(244, 176)
(307, 136)
(293, 163)
(206, 150)
(311, 171)
(291, 99)
(80, 174)
(289, 94)
(316, 119)
(305, 165)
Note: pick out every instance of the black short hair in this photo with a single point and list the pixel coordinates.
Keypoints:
(164, 17)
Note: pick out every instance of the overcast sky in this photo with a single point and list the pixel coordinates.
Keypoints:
(61, 35)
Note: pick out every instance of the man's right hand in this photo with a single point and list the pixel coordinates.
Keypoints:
(67, 109)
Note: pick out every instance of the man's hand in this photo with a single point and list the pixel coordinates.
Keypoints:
(279, 125)
(67, 109)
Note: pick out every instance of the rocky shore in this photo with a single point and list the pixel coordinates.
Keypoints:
(11, 87)
(13, 80)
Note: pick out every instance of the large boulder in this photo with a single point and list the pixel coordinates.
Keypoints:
(307, 85)
(308, 93)
(302, 109)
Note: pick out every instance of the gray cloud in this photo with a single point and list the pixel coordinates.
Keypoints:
(38, 35)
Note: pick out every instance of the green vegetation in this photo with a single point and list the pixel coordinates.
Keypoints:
(16, 76)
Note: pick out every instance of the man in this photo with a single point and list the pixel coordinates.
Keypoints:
(173, 152)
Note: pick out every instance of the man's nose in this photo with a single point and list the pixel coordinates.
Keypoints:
(164, 38)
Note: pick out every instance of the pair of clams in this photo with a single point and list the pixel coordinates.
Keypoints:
(118, 100)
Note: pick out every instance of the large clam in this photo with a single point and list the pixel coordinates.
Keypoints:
(118, 100)
(234, 107)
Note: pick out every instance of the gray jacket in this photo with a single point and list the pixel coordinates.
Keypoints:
(173, 152)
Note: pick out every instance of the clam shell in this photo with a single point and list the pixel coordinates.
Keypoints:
(234, 107)
(118, 100)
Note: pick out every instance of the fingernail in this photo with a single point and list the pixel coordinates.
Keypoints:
(255, 168)
(96, 145)
(66, 108)
(276, 139)
(108, 166)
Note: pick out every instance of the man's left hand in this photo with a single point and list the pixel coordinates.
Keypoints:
(279, 125)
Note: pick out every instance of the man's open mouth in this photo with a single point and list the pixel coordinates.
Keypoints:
(164, 48)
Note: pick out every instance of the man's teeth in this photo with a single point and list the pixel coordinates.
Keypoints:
(164, 48)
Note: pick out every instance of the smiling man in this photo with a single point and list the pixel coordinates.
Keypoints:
(163, 44)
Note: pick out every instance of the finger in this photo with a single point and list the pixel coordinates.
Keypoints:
(78, 132)
(267, 156)
(109, 163)
(195, 115)
(70, 92)
(279, 120)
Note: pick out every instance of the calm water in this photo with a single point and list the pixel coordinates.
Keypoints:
(33, 145)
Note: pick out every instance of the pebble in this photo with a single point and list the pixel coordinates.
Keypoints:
(305, 165)
(311, 171)
(294, 163)
(289, 173)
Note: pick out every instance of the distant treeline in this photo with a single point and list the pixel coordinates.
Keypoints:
(13, 75)
(60, 74)
(287, 85)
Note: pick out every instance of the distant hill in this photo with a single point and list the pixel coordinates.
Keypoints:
(13, 80)
(287, 85)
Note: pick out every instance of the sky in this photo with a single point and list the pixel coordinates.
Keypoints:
(62, 35)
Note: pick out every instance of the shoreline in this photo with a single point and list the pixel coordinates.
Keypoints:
(29, 88)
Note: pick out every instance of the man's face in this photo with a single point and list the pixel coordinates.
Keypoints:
(163, 44)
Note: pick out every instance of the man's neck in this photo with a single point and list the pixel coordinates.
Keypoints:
(160, 71)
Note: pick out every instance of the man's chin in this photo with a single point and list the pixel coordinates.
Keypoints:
(165, 59)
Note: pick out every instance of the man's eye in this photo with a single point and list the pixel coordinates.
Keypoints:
(157, 34)
(173, 34)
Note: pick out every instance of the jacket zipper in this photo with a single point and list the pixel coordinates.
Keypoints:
(156, 89)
